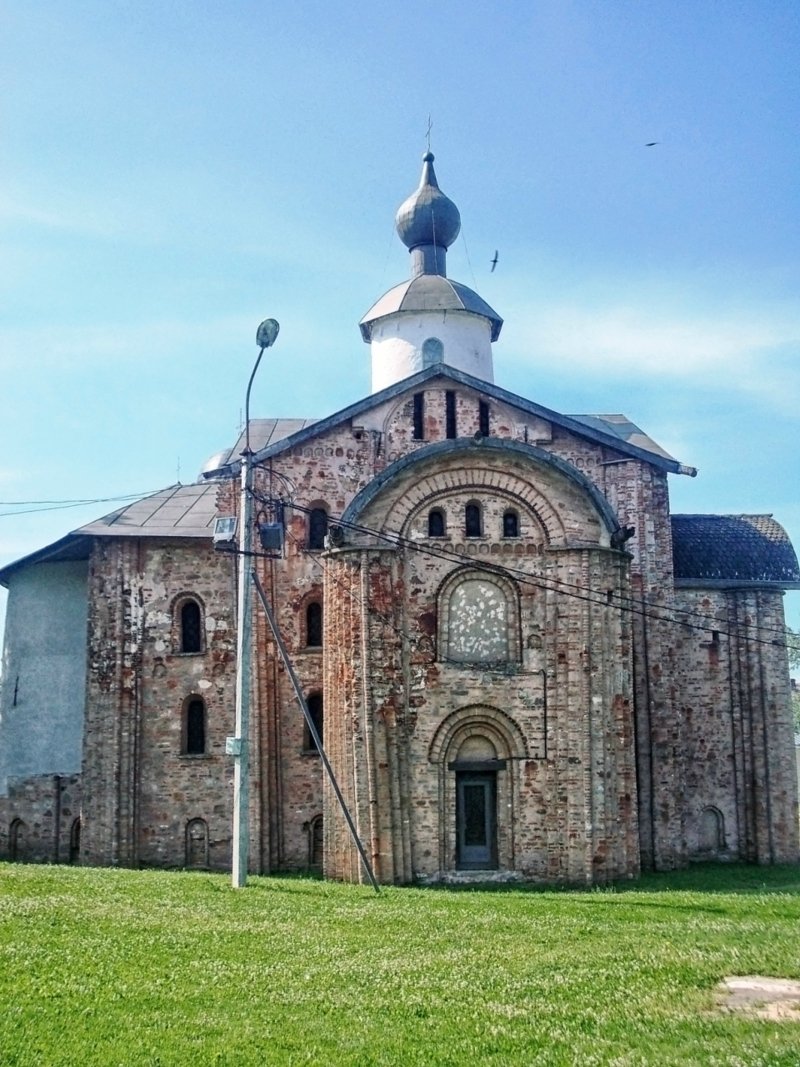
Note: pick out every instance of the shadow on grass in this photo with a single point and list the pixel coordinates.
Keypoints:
(701, 878)
(722, 878)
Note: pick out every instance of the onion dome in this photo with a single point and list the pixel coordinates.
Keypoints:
(430, 318)
(428, 217)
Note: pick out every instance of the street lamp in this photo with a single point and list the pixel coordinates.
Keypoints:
(239, 745)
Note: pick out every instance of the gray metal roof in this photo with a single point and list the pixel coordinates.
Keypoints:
(263, 432)
(622, 427)
(182, 510)
(429, 292)
(732, 550)
(613, 431)
(178, 511)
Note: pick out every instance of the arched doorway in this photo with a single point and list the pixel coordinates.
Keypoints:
(477, 750)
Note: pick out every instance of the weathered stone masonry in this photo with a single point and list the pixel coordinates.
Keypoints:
(522, 665)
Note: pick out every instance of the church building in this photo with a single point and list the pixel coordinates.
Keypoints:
(521, 664)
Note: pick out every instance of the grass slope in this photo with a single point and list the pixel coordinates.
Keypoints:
(124, 967)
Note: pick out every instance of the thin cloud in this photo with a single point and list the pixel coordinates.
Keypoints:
(747, 354)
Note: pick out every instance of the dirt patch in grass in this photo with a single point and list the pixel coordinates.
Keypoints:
(761, 997)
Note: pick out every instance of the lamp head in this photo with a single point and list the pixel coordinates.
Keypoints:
(267, 333)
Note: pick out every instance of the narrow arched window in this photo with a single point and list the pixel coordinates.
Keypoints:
(472, 520)
(510, 524)
(197, 843)
(483, 418)
(195, 728)
(314, 624)
(75, 841)
(436, 523)
(191, 627)
(16, 840)
(317, 527)
(314, 702)
(432, 351)
(450, 413)
(315, 843)
(419, 417)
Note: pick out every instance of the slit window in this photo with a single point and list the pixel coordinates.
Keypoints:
(450, 413)
(419, 416)
(317, 527)
(314, 702)
(483, 418)
(195, 728)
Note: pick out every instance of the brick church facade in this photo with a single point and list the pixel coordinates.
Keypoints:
(521, 664)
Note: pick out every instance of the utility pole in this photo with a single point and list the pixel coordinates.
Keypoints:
(239, 745)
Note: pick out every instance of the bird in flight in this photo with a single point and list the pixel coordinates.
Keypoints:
(494, 262)
(652, 144)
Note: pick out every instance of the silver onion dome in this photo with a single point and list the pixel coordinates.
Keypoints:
(428, 217)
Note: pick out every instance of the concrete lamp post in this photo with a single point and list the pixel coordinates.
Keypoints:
(239, 745)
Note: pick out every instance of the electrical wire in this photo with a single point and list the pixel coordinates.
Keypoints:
(559, 586)
(568, 588)
(34, 507)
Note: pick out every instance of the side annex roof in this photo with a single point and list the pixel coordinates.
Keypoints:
(732, 551)
(177, 511)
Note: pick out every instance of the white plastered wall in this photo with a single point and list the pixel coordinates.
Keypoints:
(397, 344)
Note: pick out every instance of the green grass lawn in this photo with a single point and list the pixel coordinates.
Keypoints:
(143, 967)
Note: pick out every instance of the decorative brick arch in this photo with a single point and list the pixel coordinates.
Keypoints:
(500, 728)
(490, 728)
(505, 468)
(450, 496)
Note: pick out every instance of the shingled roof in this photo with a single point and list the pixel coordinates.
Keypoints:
(732, 550)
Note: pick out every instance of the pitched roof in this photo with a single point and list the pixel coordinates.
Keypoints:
(183, 510)
(263, 432)
(732, 550)
(177, 511)
(613, 431)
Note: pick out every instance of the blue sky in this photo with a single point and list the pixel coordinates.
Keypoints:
(173, 173)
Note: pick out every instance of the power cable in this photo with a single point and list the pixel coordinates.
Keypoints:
(556, 585)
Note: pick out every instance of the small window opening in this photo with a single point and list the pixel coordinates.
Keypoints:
(314, 702)
(436, 523)
(195, 728)
(419, 416)
(75, 841)
(191, 629)
(432, 351)
(315, 843)
(483, 418)
(314, 625)
(472, 520)
(450, 413)
(197, 843)
(510, 524)
(16, 840)
(317, 527)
